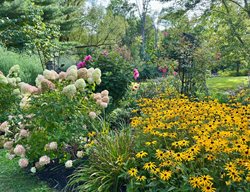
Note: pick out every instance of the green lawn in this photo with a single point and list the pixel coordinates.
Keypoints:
(14, 179)
(222, 84)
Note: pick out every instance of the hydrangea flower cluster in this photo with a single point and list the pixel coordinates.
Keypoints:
(102, 98)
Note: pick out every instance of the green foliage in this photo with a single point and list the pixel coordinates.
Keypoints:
(99, 28)
(226, 29)
(127, 108)
(116, 74)
(36, 25)
(105, 170)
(10, 97)
(29, 64)
(228, 73)
(186, 50)
(27, 29)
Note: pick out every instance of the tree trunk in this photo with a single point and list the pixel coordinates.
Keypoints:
(143, 44)
(237, 68)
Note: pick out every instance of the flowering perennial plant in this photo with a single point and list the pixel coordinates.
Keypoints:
(58, 118)
(187, 146)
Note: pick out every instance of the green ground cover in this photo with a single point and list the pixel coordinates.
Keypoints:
(222, 84)
(13, 179)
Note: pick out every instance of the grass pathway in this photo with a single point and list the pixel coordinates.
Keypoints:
(14, 179)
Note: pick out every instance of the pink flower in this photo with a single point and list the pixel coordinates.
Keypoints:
(136, 74)
(27, 89)
(104, 105)
(19, 150)
(62, 75)
(81, 64)
(175, 73)
(88, 58)
(164, 69)
(104, 93)
(23, 162)
(4, 127)
(44, 160)
(165, 33)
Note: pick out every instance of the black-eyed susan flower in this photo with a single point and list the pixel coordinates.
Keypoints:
(165, 175)
(159, 154)
(208, 189)
(149, 165)
(141, 154)
(141, 178)
(132, 172)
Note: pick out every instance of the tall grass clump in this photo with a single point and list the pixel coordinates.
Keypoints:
(29, 64)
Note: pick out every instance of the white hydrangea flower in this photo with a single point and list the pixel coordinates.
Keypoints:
(80, 84)
(90, 71)
(24, 102)
(53, 145)
(83, 73)
(92, 115)
(33, 170)
(38, 80)
(98, 81)
(90, 80)
(96, 74)
(3, 79)
(74, 67)
(69, 90)
(71, 74)
(50, 75)
(79, 154)
(104, 105)
(69, 164)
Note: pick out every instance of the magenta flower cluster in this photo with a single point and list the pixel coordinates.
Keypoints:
(82, 64)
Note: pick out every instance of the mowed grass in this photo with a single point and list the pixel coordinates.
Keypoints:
(222, 84)
(14, 179)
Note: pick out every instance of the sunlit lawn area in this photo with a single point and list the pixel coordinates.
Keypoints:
(221, 84)
(14, 179)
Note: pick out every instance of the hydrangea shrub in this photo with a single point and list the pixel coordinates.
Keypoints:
(59, 118)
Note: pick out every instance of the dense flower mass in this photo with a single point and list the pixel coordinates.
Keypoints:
(53, 114)
(204, 145)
